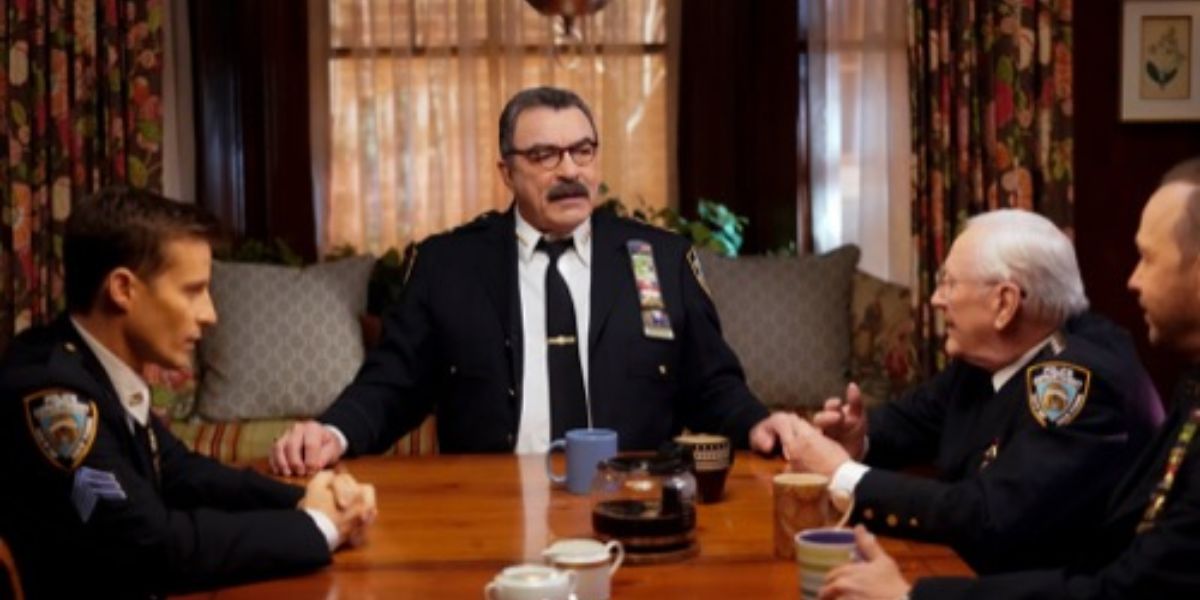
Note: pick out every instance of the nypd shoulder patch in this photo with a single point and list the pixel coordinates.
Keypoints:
(1057, 391)
(62, 425)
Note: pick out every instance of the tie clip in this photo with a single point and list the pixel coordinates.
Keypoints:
(561, 340)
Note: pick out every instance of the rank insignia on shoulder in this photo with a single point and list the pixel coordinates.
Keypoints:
(694, 261)
(62, 425)
(1057, 391)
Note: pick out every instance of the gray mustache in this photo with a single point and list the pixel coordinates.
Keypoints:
(567, 189)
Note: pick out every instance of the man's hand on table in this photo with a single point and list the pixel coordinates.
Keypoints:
(877, 577)
(305, 449)
(349, 505)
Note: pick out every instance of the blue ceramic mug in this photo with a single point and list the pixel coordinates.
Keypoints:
(585, 448)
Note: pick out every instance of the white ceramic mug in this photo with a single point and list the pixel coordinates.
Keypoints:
(532, 582)
(595, 563)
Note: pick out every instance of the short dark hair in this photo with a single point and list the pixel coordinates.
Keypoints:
(548, 97)
(124, 227)
(1187, 230)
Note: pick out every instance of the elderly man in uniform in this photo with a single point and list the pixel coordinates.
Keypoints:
(1040, 411)
(1147, 545)
(101, 500)
(519, 326)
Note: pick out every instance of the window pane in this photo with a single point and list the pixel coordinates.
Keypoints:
(415, 138)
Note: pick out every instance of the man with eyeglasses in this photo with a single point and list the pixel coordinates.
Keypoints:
(1147, 544)
(1029, 427)
(520, 326)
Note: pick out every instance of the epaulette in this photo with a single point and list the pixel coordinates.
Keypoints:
(694, 262)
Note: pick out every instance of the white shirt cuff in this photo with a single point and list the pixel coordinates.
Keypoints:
(341, 438)
(846, 477)
(328, 529)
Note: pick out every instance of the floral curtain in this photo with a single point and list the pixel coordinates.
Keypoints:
(991, 94)
(80, 108)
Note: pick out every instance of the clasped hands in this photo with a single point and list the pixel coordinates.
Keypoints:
(350, 505)
(836, 434)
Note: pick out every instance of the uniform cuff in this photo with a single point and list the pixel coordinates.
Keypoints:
(328, 529)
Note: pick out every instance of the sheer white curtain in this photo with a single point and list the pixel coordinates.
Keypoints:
(179, 142)
(860, 128)
(415, 88)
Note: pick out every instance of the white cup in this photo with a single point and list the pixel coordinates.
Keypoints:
(531, 582)
(595, 563)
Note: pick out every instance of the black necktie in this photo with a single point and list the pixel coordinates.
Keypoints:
(568, 404)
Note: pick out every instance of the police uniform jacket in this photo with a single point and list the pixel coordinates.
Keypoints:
(1131, 556)
(161, 521)
(1024, 472)
(453, 345)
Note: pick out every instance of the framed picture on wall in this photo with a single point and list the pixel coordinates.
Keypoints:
(1160, 61)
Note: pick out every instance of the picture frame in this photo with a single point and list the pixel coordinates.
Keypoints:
(1160, 61)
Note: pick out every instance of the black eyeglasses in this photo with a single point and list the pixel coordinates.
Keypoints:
(548, 156)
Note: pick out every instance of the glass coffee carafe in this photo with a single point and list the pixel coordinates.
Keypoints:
(647, 502)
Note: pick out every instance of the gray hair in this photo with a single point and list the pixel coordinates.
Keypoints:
(1029, 250)
(548, 97)
(1187, 230)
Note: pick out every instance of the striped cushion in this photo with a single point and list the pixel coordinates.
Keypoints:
(249, 441)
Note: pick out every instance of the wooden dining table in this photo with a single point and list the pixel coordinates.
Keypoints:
(447, 524)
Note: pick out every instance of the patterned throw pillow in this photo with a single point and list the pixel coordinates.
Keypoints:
(287, 340)
(788, 319)
(884, 353)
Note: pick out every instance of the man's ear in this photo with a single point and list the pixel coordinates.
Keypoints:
(120, 288)
(1008, 303)
(505, 173)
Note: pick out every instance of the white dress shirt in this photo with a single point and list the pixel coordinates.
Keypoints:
(134, 395)
(849, 473)
(533, 434)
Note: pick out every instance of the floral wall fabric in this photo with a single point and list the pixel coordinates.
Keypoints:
(80, 108)
(991, 100)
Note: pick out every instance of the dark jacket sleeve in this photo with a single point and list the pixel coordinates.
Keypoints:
(1160, 563)
(1044, 477)
(171, 548)
(191, 480)
(385, 399)
(907, 430)
(713, 376)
